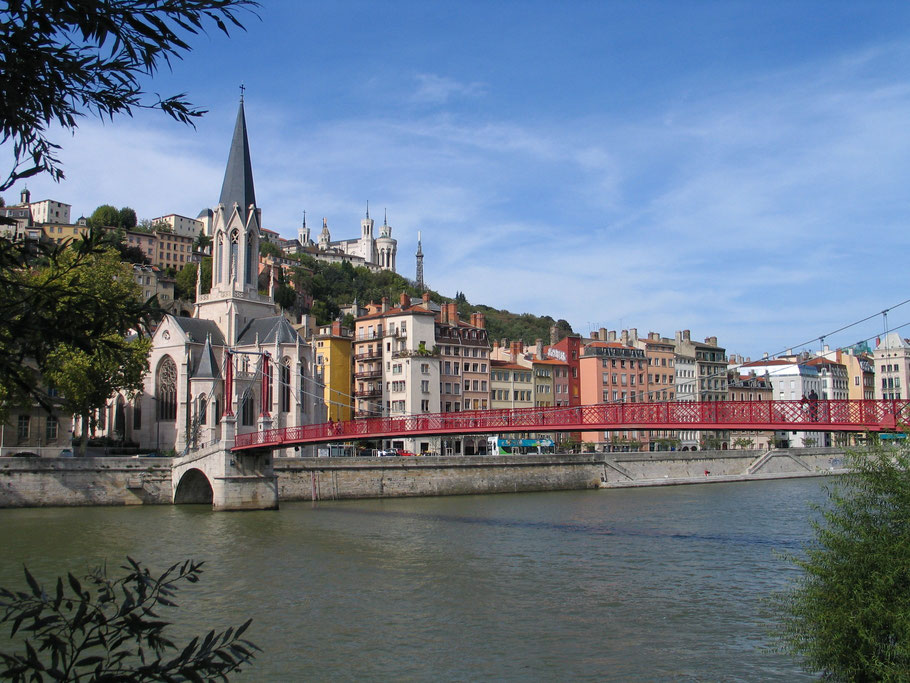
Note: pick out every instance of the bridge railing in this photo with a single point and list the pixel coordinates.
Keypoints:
(842, 414)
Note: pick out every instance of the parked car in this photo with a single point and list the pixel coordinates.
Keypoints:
(405, 453)
(388, 452)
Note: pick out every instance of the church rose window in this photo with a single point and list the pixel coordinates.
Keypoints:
(166, 386)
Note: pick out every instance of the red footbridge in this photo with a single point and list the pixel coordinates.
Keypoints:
(814, 416)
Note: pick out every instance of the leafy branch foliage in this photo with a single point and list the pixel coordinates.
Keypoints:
(847, 616)
(65, 58)
(76, 295)
(111, 631)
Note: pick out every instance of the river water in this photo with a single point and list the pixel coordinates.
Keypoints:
(626, 584)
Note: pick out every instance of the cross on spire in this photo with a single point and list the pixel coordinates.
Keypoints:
(242, 88)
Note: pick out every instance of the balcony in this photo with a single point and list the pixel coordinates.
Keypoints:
(366, 374)
(373, 392)
(368, 355)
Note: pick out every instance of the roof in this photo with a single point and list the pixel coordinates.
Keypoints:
(208, 364)
(607, 345)
(395, 311)
(507, 365)
(268, 331)
(238, 176)
(199, 330)
(769, 361)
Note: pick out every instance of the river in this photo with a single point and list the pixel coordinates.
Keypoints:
(660, 583)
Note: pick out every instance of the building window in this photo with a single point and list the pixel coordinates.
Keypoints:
(22, 428)
(51, 428)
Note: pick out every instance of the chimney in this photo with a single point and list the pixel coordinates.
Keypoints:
(687, 335)
(426, 297)
(504, 343)
(404, 301)
(633, 335)
(385, 304)
(624, 337)
(336, 328)
(653, 336)
(554, 335)
(453, 314)
(711, 340)
(603, 334)
(495, 346)
(611, 335)
(594, 334)
(515, 350)
(765, 356)
(538, 344)
(678, 336)
(481, 321)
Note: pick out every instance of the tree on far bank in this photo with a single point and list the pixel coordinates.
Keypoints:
(105, 216)
(64, 59)
(847, 616)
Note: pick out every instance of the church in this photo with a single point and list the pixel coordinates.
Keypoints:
(189, 387)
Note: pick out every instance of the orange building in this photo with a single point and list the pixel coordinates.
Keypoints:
(612, 372)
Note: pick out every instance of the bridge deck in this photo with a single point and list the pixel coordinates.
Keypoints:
(843, 415)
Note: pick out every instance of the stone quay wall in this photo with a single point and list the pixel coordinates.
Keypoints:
(38, 482)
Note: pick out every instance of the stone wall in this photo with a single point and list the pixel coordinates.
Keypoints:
(363, 477)
(38, 482)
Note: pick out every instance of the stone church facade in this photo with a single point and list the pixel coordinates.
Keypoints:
(183, 400)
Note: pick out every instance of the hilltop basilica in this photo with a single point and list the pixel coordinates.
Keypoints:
(183, 401)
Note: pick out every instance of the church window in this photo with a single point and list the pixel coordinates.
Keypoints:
(247, 409)
(137, 413)
(234, 247)
(249, 260)
(219, 257)
(201, 409)
(166, 389)
(284, 381)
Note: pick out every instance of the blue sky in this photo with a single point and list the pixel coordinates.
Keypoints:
(736, 169)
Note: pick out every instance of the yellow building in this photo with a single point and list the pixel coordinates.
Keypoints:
(333, 369)
(59, 233)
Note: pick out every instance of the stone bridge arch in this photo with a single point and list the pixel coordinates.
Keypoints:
(193, 487)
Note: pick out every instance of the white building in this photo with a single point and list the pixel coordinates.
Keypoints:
(376, 253)
(181, 225)
(892, 367)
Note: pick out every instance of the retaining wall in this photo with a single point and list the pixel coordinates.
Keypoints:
(38, 482)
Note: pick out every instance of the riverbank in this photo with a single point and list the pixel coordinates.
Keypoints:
(45, 482)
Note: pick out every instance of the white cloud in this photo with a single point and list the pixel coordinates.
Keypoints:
(434, 89)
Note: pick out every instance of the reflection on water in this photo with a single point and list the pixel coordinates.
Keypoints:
(656, 584)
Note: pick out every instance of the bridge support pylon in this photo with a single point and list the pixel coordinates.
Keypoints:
(229, 481)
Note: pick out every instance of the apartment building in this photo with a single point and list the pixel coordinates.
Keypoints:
(892, 367)
(613, 372)
(333, 369)
(396, 364)
(464, 357)
(511, 385)
(791, 380)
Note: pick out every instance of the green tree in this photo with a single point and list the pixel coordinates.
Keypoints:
(847, 616)
(127, 218)
(269, 249)
(109, 629)
(86, 378)
(60, 297)
(63, 59)
(105, 216)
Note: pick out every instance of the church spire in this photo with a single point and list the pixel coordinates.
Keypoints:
(238, 177)
(420, 284)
